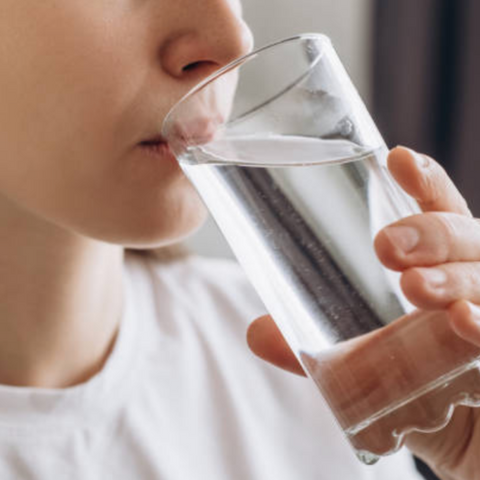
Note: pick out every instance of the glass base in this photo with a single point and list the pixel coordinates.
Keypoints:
(428, 411)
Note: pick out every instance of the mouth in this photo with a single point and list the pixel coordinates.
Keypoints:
(156, 146)
(199, 131)
(153, 142)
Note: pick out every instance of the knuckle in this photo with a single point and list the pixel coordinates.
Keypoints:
(444, 232)
(433, 183)
(417, 289)
(471, 276)
(439, 189)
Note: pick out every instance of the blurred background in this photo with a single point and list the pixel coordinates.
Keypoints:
(415, 64)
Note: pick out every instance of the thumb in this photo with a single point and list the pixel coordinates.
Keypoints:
(266, 341)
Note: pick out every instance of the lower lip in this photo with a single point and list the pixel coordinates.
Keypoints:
(159, 150)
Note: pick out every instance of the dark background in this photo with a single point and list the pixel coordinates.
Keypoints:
(426, 82)
(426, 86)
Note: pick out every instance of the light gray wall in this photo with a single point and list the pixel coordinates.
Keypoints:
(346, 22)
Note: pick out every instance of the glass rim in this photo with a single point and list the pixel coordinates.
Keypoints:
(238, 62)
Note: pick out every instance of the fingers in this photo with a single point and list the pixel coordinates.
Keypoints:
(426, 181)
(428, 239)
(439, 255)
(465, 320)
(266, 341)
(446, 237)
(439, 251)
(438, 287)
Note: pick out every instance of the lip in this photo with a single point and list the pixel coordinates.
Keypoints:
(157, 149)
(199, 130)
(154, 139)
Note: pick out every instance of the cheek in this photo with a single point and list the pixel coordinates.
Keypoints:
(66, 78)
(109, 206)
(66, 122)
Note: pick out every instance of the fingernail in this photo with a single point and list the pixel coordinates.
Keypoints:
(404, 238)
(435, 277)
(475, 312)
(421, 160)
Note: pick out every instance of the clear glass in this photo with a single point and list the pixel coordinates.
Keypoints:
(289, 162)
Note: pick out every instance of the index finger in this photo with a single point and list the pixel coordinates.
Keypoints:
(426, 181)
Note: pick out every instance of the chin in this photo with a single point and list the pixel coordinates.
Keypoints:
(167, 229)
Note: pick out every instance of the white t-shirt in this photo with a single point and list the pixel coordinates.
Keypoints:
(181, 397)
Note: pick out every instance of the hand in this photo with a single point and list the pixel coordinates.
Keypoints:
(441, 272)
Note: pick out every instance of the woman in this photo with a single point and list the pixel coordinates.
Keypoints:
(114, 364)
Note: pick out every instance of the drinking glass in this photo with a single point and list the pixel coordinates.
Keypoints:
(290, 164)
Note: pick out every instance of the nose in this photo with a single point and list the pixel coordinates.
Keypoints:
(211, 35)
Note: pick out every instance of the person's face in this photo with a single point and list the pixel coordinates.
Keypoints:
(82, 84)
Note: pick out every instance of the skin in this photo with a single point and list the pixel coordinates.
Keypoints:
(82, 84)
(448, 240)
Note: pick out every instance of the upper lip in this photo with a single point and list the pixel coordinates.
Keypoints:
(199, 131)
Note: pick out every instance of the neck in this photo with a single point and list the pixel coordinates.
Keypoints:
(61, 300)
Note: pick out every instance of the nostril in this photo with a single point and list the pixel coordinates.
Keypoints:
(191, 66)
(199, 69)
